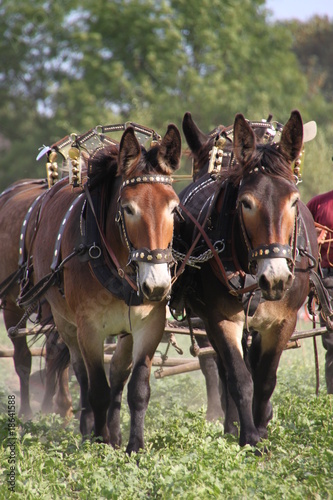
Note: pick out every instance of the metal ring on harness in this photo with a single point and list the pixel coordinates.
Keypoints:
(95, 251)
(219, 246)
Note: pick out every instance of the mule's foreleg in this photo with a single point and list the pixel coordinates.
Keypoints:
(92, 349)
(22, 357)
(231, 418)
(227, 338)
(145, 342)
(262, 408)
(68, 333)
(22, 361)
(120, 369)
(99, 397)
(86, 417)
(138, 396)
(208, 366)
(50, 373)
(56, 366)
(264, 355)
(63, 400)
(240, 386)
(264, 379)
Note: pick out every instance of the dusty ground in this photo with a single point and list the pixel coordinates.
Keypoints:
(9, 380)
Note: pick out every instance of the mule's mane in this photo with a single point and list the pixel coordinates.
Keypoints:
(267, 156)
(102, 165)
(149, 161)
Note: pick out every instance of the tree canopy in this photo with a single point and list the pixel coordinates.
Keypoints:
(67, 67)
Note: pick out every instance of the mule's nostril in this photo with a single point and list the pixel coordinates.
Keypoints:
(290, 280)
(146, 290)
(264, 283)
(155, 293)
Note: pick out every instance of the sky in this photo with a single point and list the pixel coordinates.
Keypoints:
(300, 9)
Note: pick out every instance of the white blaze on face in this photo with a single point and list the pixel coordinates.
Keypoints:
(154, 280)
(274, 277)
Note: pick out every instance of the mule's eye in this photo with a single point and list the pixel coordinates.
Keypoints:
(246, 204)
(294, 203)
(128, 210)
(174, 207)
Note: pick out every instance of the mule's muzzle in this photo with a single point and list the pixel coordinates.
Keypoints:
(276, 288)
(274, 282)
(156, 293)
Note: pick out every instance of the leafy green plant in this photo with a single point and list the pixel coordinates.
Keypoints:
(185, 457)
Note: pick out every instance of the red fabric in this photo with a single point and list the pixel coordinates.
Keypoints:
(321, 207)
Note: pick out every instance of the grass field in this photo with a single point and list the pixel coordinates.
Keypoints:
(185, 457)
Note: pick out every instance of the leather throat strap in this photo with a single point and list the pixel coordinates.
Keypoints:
(111, 253)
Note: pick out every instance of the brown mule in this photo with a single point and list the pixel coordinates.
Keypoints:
(15, 203)
(261, 240)
(118, 281)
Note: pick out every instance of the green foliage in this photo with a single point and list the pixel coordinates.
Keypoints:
(66, 68)
(318, 166)
(313, 45)
(185, 457)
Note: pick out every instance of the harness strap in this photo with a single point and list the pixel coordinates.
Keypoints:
(45, 283)
(201, 232)
(220, 265)
(111, 253)
(6, 285)
(157, 256)
(22, 255)
(323, 296)
(27, 298)
(56, 253)
(149, 132)
(36, 291)
(273, 251)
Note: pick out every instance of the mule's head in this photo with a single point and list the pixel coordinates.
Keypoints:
(267, 203)
(147, 204)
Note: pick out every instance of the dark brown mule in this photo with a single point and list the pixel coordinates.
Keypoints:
(261, 240)
(120, 284)
(14, 205)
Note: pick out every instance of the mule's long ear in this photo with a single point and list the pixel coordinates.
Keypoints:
(244, 140)
(193, 135)
(292, 137)
(170, 150)
(129, 153)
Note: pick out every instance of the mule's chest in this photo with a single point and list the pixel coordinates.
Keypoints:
(268, 315)
(112, 318)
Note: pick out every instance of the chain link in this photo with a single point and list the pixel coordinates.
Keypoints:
(200, 259)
